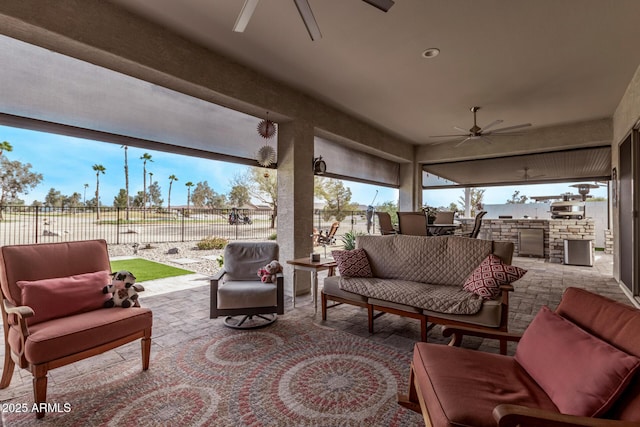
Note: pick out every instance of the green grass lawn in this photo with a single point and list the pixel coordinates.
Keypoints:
(147, 270)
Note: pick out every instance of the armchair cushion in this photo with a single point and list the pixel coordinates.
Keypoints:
(247, 294)
(353, 263)
(64, 296)
(487, 278)
(582, 374)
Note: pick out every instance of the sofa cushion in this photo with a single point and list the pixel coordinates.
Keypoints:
(440, 260)
(64, 296)
(441, 298)
(331, 286)
(582, 374)
(487, 278)
(65, 336)
(247, 294)
(462, 386)
(352, 263)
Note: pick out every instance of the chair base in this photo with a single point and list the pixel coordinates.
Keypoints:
(250, 321)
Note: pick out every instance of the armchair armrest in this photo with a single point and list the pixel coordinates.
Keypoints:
(522, 416)
(460, 331)
(22, 311)
(218, 275)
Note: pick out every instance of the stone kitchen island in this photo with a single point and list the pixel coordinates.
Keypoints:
(553, 233)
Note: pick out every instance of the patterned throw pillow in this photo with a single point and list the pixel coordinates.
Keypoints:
(486, 279)
(352, 263)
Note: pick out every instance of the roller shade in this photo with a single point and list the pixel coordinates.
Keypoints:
(347, 163)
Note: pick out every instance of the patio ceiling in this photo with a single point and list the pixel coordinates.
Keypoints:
(588, 164)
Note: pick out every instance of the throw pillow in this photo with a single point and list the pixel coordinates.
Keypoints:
(486, 279)
(64, 296)
(352, 263)
(582, 374)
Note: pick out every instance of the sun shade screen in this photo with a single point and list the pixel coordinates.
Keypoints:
(344, 162)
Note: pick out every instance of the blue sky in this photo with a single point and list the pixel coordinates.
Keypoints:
(66, 165)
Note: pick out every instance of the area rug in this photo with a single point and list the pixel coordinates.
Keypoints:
(292, 373)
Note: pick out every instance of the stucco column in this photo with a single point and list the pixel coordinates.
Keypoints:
(295, 199)
(410, 191)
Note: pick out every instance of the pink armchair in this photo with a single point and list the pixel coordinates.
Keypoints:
(578, 366)
(52, 310)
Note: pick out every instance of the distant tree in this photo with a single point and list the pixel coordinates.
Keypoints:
(120, 201)
(138, 200)
(204, 195)
(262, 184)
(516, 198)
(146, 157)
(597, 199)
(171, 179)
(188, 184)
(337, 198)
(239, 195)
(127, 199)
(5, 146)
(72, 201)
(99, 169)
(15, 178)
(53, 199)
(84, 197)
(477, 196)
(453, 207)
(155, 199)
(36, 203)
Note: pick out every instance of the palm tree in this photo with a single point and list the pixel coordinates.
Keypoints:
(150, 184)
(189, 185)
(171, 179)
(126, 179)
(5, 146)
(99, 169)
(84, 199)
(145, 157)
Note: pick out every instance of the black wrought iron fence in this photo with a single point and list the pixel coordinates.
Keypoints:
(35, 224)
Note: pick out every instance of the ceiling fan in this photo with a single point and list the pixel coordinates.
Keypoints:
(476, 132)
(526, 176)
(305, 13)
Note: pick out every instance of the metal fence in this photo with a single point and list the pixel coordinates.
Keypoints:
(36, 224)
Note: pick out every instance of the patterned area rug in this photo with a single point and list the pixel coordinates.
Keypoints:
(292, 373)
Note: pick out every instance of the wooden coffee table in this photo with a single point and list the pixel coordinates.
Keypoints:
(305, 264)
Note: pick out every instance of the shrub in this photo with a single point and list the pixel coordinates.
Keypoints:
(210, 242)
(349, 239)
(273, 236)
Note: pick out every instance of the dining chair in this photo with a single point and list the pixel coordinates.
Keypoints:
(412, 223)
(444, 217)
(384, 223)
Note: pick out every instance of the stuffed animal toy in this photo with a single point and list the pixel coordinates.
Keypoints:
(124, 290)
(271, 271)
(263, 274)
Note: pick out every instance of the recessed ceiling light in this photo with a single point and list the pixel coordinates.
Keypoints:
(431, 52)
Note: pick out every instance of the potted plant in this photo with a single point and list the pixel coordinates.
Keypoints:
(430, 212)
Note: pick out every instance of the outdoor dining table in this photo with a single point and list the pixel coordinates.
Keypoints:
(442, 229)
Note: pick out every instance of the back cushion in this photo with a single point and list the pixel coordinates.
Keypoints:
(64, 296)
(616, 323)
(439, 260)
(582, 374)
(47, 260)
(242, 260)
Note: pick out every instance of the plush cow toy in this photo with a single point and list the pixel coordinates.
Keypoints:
(268, 273)
(124, 290)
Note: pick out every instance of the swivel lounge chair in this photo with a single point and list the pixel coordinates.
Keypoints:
(238, 293)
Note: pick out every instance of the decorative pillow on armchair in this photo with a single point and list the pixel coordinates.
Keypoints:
(352, 263)
(582, 374)
(486, 279)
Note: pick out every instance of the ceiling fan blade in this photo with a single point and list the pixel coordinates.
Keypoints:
(502, 133)
(309, 20)
(512, 127)
(383, 5)
(485, 139)
(245, 15)
(492, 124)
(466, 131)
(463, 141)
(448, 136)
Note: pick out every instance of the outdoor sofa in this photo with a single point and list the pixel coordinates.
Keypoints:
(422, 278)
